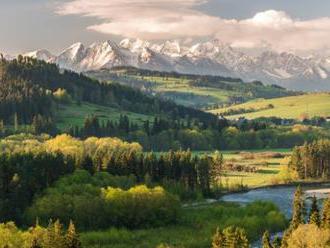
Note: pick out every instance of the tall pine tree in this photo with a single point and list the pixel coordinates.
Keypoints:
(72, 238)
(218, 240)
(326, 214)
(266, 240)
(298, 210)
(314, 214)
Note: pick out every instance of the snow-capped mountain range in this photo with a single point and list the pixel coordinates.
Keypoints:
(212, 58)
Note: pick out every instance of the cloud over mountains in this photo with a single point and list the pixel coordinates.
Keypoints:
(176, 19)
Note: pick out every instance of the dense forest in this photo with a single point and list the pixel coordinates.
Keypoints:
(163, 134)
(312, 160)
(30, 165)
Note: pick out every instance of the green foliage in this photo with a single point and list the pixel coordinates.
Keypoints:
(97, 201)
(194, 228)
(140, 206)
(24, 174)
(27, 86)
(311, 160)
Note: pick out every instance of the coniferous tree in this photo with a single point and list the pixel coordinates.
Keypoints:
(218, 240)
(235, 238)
(216, 168)
(266, 243)
(314, 215)
(58, 234)
(326, 214)
(35, 243)
(72, 238)
(277, 242)
(285, 239)
(298, 210)
(16, 122)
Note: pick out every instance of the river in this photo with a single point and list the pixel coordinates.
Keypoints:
(281, 196)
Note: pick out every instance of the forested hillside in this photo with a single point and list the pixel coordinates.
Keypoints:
(28, 88)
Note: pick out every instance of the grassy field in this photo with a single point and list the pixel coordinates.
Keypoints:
(184, 93)
(266, 168)
(74, 115)
(194, 229)
(293, 107)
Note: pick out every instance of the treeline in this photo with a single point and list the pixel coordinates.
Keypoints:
(141, 72)
(312, 160)
(28, 165)
(164, 135)
(22, 175)
(20, 100)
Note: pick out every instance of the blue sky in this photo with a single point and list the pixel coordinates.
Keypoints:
(33, 24)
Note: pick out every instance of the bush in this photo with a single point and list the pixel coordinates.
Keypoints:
(140, 206)
(83, 198)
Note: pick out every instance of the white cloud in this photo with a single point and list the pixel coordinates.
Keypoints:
(167, 19)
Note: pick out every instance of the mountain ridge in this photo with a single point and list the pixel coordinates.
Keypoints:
(206, 58)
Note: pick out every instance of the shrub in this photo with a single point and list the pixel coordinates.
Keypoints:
(83, 198)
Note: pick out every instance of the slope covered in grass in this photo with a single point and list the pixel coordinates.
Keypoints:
(295, 107)
(191, 90)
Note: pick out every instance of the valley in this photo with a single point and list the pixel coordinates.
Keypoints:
(131, 158)
(164, 124)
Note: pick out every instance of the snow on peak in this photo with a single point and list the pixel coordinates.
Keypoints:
(211, 57)
(171, 49)
(41, 54)
(135, 46)
(75, 50)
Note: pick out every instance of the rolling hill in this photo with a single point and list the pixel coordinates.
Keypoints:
(196, 91)
(295, 107)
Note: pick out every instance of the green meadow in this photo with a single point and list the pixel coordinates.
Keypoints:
(308, 105)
